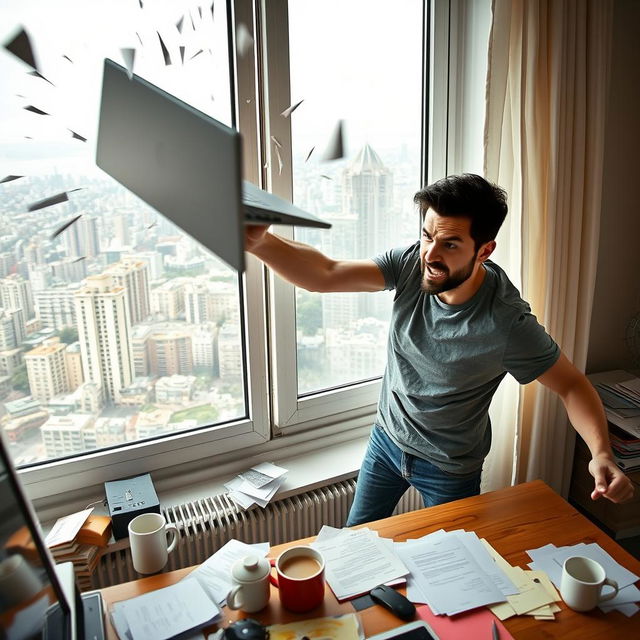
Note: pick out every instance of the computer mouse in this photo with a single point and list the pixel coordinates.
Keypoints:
(394, 601)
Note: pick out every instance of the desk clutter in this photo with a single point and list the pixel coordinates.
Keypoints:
(257, 485)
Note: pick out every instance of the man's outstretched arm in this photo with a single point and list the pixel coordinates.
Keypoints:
(587, 416)
(308, 268)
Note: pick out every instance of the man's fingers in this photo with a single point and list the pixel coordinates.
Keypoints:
(621, 489)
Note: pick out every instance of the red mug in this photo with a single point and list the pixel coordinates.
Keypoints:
(300, 578)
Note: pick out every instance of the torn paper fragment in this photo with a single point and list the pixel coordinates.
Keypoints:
(21, 48)
(165, 51)
(65, 226)
(33, 109)
(335, 147)
(37, 74)
(276, 142)
(77, 136)
(182, 49)
(289, 110)
(66, 57)
(179, 24)
(78, 259)
(280, 163)
(49, 202)
(309, 154)
(197, 53)
(10, 178)
(322, 175)
(139, 38)
(128, 56)
(244, 41)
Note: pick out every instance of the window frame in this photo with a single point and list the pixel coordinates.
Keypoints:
(261, 85)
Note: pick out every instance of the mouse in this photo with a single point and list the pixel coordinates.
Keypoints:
(394, 601)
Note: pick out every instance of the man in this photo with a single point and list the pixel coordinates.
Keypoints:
(458, 326)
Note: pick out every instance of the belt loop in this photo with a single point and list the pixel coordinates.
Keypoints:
(406, 464)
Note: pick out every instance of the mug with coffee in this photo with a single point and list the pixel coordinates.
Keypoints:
(582, 582)
(148, 541)
(300, 578)
(251, 590)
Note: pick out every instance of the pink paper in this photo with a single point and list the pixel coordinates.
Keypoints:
(471, 624)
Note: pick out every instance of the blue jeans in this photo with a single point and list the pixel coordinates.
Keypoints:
(387, 472)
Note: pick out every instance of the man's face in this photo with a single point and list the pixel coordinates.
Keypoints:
(447, 252)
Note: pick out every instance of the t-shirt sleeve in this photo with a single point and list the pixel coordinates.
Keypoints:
(392, 263)
(530, 350)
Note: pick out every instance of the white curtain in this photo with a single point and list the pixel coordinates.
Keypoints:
(544, 142)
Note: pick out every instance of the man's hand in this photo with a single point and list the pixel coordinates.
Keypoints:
(254, 235)
(610, 481)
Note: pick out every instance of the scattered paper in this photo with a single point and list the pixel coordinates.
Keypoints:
(10, 178)
(21, 47)
(165, 51)
(262, 474)
(244, 41)
(33, 109)
(65, 529)
(179, 24)
(128, 56)
(182, 49)
(309, 154)
(344, 627)
(197, 53)
(77, 136)
(289, 110)
(243, 490)
(335, 147)
(49, 202)
(280, 163)
(276, 142)
(37, 74)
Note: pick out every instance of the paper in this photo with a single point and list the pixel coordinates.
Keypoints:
(243, 490)
(446, 573)
(33, 109)
(344, 627)
(49, 202)
(65, 226)
(165, 52)
(10, 178)
(65, 529)
(77, 136)
(214, 574)
(289, 110)
(244, 41)
(357, 561)
(37, 74)
(128, 57)
(21, 47)
(474, 625)
(309, 154)
(262, 474)
(167, 612)
(335, 146)
(532, 595)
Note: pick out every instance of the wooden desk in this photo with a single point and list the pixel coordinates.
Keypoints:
(512, 520)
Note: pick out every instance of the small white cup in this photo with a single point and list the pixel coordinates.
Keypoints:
(148, 542)
(18, 580)
(252, 588)
(582, 583)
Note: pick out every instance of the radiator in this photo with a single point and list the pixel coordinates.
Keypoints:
(206, 525)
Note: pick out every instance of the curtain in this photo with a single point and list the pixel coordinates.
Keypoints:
(544, 142)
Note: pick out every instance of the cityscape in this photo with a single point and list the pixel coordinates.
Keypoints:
(120, 327)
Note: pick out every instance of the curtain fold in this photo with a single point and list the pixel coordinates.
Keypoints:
(544, 143)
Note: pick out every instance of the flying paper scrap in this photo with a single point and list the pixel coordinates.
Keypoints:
(335, 147)
(257, 485)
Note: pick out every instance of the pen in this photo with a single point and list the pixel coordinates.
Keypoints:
(494, 631)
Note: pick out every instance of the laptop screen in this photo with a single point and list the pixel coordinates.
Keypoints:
(32, 604)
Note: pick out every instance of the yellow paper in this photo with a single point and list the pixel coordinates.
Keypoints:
(532, 594)
(344, 627)
(502, 610)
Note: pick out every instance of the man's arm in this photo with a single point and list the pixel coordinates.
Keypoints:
(310, 269)
(587, 416)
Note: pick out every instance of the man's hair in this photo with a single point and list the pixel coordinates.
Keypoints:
(467, 195)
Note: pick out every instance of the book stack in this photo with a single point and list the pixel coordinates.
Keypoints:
(85, 548)
(621, 401)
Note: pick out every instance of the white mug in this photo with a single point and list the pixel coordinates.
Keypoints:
(148, 542)
(252, 588)
(18, 580)
(582, 583)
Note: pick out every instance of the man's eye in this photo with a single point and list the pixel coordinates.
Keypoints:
(450, 245)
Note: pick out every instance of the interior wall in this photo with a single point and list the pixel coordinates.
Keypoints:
(617, 292)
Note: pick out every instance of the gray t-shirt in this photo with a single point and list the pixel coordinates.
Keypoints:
(444, 362)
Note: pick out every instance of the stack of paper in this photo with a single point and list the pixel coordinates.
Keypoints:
(551, 558)
(356, 561)
(78, 538)
(164, 613)
(214, 574)
(453, 572)
(344, 627)
(256, 485)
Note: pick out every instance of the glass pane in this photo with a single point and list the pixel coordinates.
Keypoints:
(120, 327)
(360, 61)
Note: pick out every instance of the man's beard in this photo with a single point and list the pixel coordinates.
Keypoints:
(452, 281)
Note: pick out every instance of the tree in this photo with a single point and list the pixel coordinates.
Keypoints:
(20, 379)
(69, 335)
(308, 312)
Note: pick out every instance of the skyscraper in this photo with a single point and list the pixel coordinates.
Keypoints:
(46, 369)
(133, 275)
(105, 334)
(15, 293)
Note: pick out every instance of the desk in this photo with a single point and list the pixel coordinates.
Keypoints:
(512, 520)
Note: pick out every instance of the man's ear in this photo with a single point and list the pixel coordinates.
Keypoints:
(486, 250)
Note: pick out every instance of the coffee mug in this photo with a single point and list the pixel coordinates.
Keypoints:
(148, 542)
(18, 580)
(251, 584)
(582, 583)
(300, 578)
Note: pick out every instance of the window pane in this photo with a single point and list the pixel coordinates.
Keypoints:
(121, 327)
(359, 61)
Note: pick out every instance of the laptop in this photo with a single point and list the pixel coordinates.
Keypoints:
(185, 164)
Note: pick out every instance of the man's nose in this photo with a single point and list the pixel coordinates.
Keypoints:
(432, 252)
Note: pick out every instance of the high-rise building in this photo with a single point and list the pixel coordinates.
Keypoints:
(12, 328)
(170, 353)
(69, 269)
(133, 275)
(46, 370)
(15, 293)
(73, 361)
(56, 306)
(197, 303)
(205, 353)
(7, 260)
(167, 300)
(104, 334)
(229, 353)
(81, 239)
(73, 433)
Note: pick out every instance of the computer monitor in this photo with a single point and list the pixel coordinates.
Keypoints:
(37, 598)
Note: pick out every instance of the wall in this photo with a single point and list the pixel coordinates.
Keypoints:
(617, 293)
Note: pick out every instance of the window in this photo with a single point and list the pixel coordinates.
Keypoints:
(122, 337)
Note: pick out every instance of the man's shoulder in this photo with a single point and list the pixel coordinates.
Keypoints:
(505, 294)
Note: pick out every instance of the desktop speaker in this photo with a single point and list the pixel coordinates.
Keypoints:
(129, 498)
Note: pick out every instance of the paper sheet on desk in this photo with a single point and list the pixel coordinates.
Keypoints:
(214, 574)
(164, 613)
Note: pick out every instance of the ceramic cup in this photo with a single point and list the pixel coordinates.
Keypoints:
(582, 582)
(300, 578)
(148, 541)
(251, 585)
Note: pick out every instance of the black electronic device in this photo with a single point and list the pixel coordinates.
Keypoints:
(129, 498)
(38, 599)
(246, 629)
(418, 630)
(394, 601)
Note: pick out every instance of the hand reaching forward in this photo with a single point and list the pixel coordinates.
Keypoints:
(610, 481)
(253, 235)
